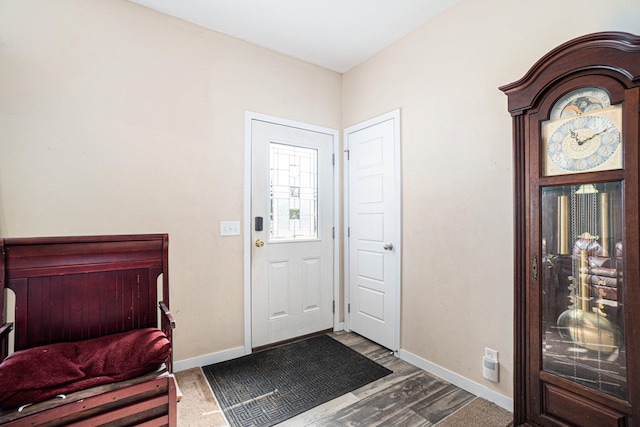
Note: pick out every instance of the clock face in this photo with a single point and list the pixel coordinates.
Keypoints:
(580, 101)
(583, 143)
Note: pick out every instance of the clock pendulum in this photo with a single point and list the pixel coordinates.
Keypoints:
(583, 325)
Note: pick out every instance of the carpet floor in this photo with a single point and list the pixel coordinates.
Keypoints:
(479, 413)
(268, 387)
(198, 406)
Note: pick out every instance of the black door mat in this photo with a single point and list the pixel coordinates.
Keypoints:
(266, 388)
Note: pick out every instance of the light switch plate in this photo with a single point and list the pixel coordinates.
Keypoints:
(229, 228)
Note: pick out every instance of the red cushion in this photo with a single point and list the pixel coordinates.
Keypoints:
(40, 373)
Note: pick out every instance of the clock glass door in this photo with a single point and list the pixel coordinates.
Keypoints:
(582, 285)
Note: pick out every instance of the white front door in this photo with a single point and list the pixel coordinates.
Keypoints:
(373, 236)
(292, 220)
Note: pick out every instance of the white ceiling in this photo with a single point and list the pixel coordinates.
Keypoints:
(335, 34)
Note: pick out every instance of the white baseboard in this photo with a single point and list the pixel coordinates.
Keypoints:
(208, 359)
(458, 380)
(222, 356)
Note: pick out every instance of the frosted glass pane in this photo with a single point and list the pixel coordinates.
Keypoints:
(294, 192)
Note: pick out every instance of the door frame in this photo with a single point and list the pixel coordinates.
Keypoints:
(249, 117)
(397, 199)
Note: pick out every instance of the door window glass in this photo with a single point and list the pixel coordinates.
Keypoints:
(294, 192)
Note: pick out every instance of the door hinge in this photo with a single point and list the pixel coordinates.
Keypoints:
(347, 151)
(333, 159)
(334, 307)
(348, 231)
(333, 232)
(349, 308)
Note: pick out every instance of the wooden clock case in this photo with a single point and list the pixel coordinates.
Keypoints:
(608, 60)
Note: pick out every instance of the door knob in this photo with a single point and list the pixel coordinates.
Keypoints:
(388, 247)
(259, 243)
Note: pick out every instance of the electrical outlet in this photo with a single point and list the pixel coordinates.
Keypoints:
(491, 354)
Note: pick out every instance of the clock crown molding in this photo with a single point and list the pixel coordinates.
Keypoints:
(575, 56)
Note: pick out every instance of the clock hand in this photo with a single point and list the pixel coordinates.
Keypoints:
(580, 142)
(574, 135)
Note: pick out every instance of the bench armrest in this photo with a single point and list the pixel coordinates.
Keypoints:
(5, 329)
(168, 323)
(167, 314)
(4, 340)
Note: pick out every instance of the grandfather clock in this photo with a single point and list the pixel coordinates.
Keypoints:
(577, 250)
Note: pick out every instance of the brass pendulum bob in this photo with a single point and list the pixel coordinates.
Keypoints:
(590, 330)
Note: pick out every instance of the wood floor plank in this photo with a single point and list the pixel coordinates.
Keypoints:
(443, 403)
(406, 418)
(399, 375)
(387, 404)
(358, 343)
(313, 416)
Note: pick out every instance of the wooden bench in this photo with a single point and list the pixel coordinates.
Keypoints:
(70, 289)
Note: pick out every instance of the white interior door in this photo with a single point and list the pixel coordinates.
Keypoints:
(292, 265)
(374, 233)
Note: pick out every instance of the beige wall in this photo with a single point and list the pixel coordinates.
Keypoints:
(456, 160)
(117, 119)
